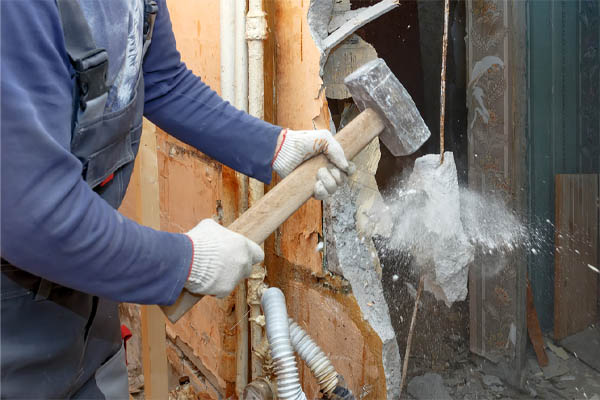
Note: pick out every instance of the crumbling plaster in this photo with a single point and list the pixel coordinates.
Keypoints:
(349, 247)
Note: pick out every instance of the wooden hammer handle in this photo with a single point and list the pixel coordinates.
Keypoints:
(264, 217)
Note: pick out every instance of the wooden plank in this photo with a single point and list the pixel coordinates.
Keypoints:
(534, 330)
(154, 349)
(154, 353)
(576, 238)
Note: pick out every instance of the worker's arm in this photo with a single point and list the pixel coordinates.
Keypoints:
(52, 224)
(181, 104)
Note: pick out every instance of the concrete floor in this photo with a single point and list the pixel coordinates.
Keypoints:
(566, 377)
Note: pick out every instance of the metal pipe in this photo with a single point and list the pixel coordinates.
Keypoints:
(241, 57)
(234, 79)
(227, 20)
(282, 352)
(314, 357)
(256, 33)
(259, 389)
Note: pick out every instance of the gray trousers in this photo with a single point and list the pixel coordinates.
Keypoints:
(56, 342)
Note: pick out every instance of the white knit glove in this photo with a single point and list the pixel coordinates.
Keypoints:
(298, 146)
(222, 258)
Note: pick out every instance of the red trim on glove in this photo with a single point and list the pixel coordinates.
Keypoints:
(191, 262)
(280, 146)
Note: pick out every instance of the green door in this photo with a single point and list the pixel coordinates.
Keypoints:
(564, 121)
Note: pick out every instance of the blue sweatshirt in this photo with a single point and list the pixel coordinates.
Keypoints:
(52, 224)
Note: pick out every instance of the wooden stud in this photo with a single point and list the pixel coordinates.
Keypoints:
(154, 347)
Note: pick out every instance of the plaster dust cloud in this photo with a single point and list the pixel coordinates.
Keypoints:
(441, 226)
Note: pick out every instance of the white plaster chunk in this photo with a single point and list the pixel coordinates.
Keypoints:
(450, 252)
(426, 221)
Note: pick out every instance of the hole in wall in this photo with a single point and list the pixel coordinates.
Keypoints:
(409, 39)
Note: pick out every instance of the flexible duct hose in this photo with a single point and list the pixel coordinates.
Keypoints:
(314, 357)
(282, 352)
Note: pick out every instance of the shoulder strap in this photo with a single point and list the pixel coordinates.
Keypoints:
(150, 11)
(90, 62)
(78, 36)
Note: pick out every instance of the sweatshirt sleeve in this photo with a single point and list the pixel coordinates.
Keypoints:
(181, 104)
(52, 224)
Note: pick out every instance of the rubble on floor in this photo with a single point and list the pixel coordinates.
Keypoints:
(428, 386)
(569, 378)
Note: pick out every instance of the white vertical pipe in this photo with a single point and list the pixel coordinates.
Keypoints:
(256, 33)
(234, 83)
(241, 56)
(227, 20)
(240, 89)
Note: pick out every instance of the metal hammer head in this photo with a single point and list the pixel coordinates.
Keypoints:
(374, 86)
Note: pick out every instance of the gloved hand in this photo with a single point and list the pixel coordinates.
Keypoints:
(295, 147)
(222, 258)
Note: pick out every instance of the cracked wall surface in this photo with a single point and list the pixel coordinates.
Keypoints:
(349, 247)
(320, 302)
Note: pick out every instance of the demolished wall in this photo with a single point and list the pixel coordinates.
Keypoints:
(396, 36)
(349, 248)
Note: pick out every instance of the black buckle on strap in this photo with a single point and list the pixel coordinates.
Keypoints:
(150, 11)
(91, 72)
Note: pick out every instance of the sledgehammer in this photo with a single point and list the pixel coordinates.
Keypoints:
(388, 112)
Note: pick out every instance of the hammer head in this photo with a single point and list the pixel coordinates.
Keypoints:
(374, 86)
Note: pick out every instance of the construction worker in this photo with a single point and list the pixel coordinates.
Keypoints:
(76, 78)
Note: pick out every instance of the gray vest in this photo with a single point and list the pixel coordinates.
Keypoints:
(58, 342)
